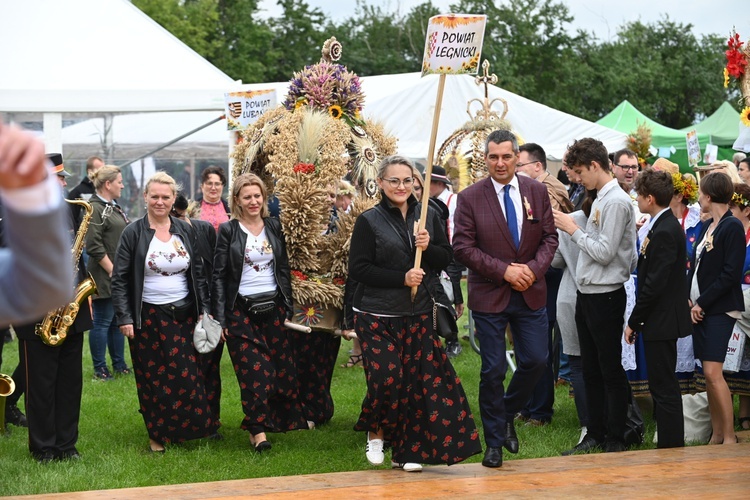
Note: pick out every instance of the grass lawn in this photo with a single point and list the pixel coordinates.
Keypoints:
(113, 439)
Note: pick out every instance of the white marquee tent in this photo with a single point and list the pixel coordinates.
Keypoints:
(97, 56)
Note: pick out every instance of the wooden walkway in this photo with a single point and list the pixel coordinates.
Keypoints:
(694, 472)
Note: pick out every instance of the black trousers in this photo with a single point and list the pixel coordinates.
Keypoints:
(600, 319)
(54, 381)
(661, 360)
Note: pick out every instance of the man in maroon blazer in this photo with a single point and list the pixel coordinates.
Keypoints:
(505, 235)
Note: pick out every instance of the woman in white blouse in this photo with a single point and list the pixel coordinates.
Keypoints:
(159, 291)
(251, 296)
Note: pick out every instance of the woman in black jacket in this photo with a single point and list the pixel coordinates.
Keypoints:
(716, 296)
(414, 398)
(251, 296)
(158, 292)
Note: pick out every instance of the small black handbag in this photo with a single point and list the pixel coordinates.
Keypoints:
(443, 322)
(260, 306)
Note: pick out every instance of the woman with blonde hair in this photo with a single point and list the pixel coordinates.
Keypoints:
(159, 292)
(108, 221)
(251, 297)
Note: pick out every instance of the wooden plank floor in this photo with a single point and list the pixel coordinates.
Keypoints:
(695, 472)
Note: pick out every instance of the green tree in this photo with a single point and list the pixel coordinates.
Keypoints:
(297, 38)
(246, 41)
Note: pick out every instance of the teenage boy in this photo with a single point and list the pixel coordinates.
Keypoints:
(607, 257)
(661, 313)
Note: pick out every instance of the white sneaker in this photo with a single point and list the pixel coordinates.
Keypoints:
(374, 451)
(407, 467)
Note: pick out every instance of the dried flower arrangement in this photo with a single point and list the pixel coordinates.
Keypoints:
(300, 149)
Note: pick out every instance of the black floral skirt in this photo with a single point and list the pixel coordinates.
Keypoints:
(315, 354)
(170, 383)
(263, 359)
(413, 392)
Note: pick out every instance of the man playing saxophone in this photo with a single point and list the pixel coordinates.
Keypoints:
(52, 352)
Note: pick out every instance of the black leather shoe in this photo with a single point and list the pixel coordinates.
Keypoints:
(614, 446)
(14, 416)
(262, 446)
(511, 440)
(587, 445)
(493, 457)
(45, 458)
(70, 455)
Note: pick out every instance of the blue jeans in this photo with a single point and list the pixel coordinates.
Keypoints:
(105, 333)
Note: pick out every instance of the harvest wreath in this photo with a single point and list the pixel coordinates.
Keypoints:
(301, 150)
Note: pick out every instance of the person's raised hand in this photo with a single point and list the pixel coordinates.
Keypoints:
(22, 159)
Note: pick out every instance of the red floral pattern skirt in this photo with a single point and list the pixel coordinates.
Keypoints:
(170, 383)
(315, 354)
(262, 356)
(413, 392)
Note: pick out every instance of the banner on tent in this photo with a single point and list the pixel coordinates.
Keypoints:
(244, 108)
(693, 148)
(454, 44)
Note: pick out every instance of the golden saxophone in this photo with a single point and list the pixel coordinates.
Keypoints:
(7, 386)
(54, 327)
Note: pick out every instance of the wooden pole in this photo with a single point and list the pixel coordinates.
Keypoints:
(428, 172)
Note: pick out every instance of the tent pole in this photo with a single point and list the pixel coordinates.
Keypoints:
(166, 145)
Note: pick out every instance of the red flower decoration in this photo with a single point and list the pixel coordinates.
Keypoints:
(736, 61)
(338, 280)
(304, 168)
(299, 275)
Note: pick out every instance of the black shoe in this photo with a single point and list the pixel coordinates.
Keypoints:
(216, 436)
(614, 446)
(453, 349)
(587, 445)
(511, 440)
(45, 458)
(123, 371)
(493, 457)
(69, 455)
(14, 416)
(262, 446)
(102, 374)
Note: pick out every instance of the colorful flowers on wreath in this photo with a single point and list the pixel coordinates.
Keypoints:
(304, 168)
(686, 185)
(736, 58)
(745, 116)
(299, 275)
(327, 87)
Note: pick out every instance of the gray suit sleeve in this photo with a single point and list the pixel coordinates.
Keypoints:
(36, 269)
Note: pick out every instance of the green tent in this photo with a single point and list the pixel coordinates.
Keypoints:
(721, 126)
(626, 118)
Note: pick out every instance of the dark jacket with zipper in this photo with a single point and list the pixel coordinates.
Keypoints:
(228, 262)
(129, 270)
(382, 252)
(102, 238)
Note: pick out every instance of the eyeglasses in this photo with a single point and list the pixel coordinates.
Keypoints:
(395, 183)
(627, 167)
(524, 164)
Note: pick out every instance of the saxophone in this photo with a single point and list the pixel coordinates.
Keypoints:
(54, 327)
(7, 386)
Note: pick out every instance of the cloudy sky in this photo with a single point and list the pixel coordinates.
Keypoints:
(603, 17)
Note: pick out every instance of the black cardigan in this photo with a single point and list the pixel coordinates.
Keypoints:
(720, 270)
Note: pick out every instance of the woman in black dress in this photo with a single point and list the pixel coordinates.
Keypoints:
(414, 398)
(251, 269)
(158, 292)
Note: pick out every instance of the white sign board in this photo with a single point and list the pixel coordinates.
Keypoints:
(244, 108)
(693, 148)
(454, 44)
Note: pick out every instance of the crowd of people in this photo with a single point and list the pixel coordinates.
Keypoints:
(543, 260)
